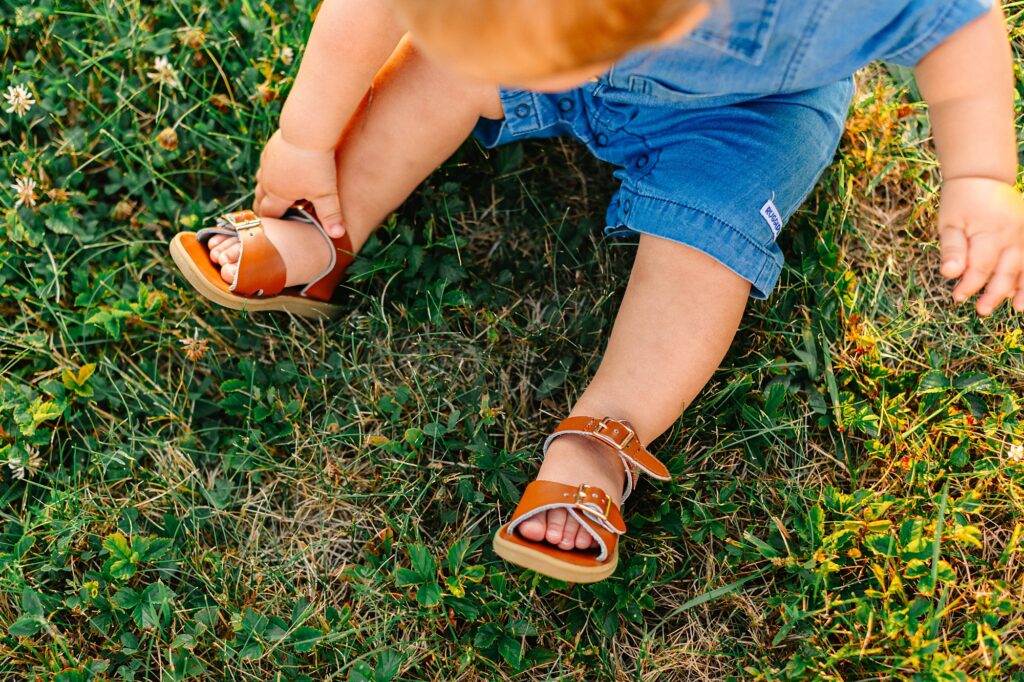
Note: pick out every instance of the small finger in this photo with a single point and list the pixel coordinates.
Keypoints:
(1003, 283)
(1018, 299)
(981, 262)
(953, 247)
(328, 210)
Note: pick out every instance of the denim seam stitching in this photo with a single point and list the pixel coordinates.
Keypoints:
(940, 22)
(652, 155)
(801, 51)
(759, 279)
(732, 228)
(751, 50)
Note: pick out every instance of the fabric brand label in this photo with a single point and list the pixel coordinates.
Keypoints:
(772, 217)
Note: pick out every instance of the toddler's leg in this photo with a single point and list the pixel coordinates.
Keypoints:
(412, 119)
(678, 317)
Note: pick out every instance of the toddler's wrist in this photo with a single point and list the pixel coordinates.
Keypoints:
(301, 145)
(1001, 173)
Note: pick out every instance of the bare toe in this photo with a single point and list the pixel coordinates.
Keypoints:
(221, 246)
(230, 254)
(556, 522)
(569, 533)
(534, 527)
(227, 273)
(583, 539)
(215, 240)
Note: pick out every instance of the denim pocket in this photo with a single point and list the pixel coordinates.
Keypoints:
(739, 29)
(721, 56)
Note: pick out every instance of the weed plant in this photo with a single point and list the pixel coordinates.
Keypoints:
(187, 492)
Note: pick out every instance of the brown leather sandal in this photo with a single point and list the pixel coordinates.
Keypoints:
(589, 505)
(261, 275)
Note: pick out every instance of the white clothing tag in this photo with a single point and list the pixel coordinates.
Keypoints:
(772, 217)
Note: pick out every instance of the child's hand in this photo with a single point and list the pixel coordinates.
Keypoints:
(288, 173)
(981, 231)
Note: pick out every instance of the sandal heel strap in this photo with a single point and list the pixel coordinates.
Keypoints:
(322, 287)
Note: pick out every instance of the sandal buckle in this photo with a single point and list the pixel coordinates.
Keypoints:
(242, 220)
(609, 437)
(580, 499)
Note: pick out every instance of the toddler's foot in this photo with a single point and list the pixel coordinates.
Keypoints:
(574, 460)
(302, 246)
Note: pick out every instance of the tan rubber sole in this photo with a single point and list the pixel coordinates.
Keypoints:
(536, 560)
(295, 305)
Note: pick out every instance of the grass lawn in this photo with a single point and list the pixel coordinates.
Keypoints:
(191, 493)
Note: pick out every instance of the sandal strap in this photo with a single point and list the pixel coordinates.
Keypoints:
(260, 271)
(322, 287)
(621, 436)
(588, 504)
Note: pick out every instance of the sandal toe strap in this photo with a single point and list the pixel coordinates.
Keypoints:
(588, 504)
(260, 271)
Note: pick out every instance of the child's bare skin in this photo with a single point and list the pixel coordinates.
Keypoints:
(681, 308)
(377, 169)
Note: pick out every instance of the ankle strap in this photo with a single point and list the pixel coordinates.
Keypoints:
(323, 285)
(621, 436)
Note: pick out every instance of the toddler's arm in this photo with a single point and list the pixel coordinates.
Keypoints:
(968, 83)
(350, 41)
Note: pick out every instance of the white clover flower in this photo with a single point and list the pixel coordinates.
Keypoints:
(19, 466)
(34, 460)
(17, 470)
(287, 54)
(25, 188)
(163, 72)
(1016, 453)
(19, 98)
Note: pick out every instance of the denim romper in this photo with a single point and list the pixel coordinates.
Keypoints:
(719, 137)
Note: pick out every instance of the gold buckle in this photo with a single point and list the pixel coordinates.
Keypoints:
(603, 424)
(244, 220)
(580, 497)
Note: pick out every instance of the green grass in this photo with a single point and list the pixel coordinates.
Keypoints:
(191, 493)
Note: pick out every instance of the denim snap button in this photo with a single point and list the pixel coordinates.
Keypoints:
(565, 105)
(601, 139)
(626, 206)
(642, 161)
(523, 110)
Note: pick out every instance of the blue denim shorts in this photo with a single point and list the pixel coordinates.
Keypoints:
(720, 136)
(722, 177)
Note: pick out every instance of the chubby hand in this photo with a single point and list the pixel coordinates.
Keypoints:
(288, 173)
(981, 232)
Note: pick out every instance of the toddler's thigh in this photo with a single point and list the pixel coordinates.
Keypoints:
(726, 180)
